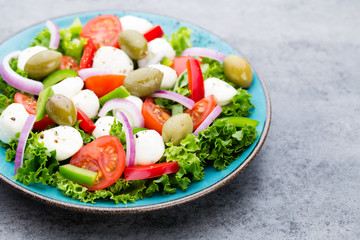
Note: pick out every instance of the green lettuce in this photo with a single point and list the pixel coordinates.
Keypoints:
(240, 106)
(70, 42)
(180, 40)
(117, 131)
(87, 137)
(4, 102)
(222, 143)
(39, 164)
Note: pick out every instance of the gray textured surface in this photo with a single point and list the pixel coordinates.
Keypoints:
(304, 184)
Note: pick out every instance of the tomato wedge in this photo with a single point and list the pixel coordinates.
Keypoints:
(196, 81)
(30, 106)
(150, 171)
(86, 124)
(106, 156)
(86, 60)
(68, 63)
(155, 32)
(201, 110)
(154, 116)
(104, 30)
(103, 84)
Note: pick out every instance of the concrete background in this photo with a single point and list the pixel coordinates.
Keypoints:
(304, 184)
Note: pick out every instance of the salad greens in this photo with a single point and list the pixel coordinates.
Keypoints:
(218, 145)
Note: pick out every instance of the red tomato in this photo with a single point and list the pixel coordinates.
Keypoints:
(201, 110)
(106, 156)
(154, 116)
(104, 30)
(103, 84)
(86, 124)
(150, 171)
(69, 63)
(155, 32)
(30, 106)
(196, 81)
(86, 60)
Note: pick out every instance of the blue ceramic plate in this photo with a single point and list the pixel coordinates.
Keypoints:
(213, 178)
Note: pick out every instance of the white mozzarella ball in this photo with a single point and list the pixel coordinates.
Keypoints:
(157, 50)
(12, 121)
(87, 101)
(26, 54)
(149, 147)
(131, 117)
(135, 23)
(103, 126)
(222, 91)
(64, 139)
(68, 87)
(113, 59)
(169, 77)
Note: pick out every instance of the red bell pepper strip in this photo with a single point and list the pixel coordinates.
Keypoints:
(155, 32)
(150, 171)
(196, 81)
(86, 124)
(86, 60)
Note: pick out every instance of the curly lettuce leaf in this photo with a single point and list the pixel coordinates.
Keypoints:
(87, 137)
(180, 40)
(240, 106)
(70, 42)
(39, 163)
(4, 102)
(117, 131)
(222, 143)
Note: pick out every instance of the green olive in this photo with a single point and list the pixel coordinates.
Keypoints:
(238, 71)
(42, 64)
(61, 110)
(133, 44)
(143, 81)
(176, 128)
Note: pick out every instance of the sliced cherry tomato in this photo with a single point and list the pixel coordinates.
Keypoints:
(86, 60)
(155, 32)
(154, 116)
(106, 156)
(103, 84)
(150, 171)
(196, 81)
(68, 63)
(30, 106)
(201, 110)
(86, 124)
(104, 30)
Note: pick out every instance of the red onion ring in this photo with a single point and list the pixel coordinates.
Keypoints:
(24, 135)
(130, 141)
(204, 52)
(187, 102)
(120, 103)
(17, 81)
(90, 72)
(209, 119)
(54, 34)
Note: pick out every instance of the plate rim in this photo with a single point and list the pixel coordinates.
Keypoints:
(163, 205)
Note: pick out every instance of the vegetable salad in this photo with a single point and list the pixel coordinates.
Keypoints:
(114, 109)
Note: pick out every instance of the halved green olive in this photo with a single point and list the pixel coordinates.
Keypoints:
(176, 128)
(133, 44)
(238, 71)
(61, 110)
(143, 81)
(42, 64)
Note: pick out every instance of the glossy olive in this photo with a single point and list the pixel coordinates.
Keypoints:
(238, 71)
(61, 110)
(42, 64)
(176, 128)
(133, 44)
(143, 81)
